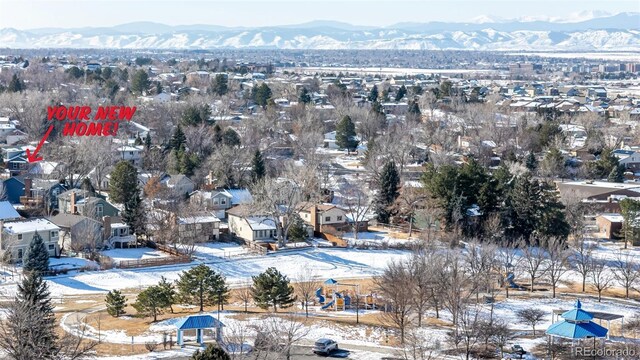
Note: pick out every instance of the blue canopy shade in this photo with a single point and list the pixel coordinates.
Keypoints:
(198, 322)
(331, 282)
(576, 331)
(577, 314)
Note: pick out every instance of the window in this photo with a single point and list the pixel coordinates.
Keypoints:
(15, 166)
(339, 218)
(54, 234)
(99, 210)
(327, 218)
(51, 247)
(19, 236)
(19, 253)
(223, 201)
(215, 201)
(306, 215)
(131, 153)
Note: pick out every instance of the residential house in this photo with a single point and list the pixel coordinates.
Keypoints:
(8, 212)
(328, 218)
(249, 227)
(13, 189)
(133, 154)
(179, 184)
(201, 227)
(217, 201)
(15, 159)
(631, 162)
(78, 232)
(16, 136)
(116, 233)
(609, 225)
(81, 202)
(15, 236)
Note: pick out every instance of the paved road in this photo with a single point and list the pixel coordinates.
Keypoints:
(345, 352)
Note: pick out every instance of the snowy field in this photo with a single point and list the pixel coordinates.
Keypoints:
(134, 254)
(374, 238)
(326, 262)
(217, 251)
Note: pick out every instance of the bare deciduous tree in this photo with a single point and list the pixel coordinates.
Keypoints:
(308, 282)
(601, 277)
(626, 271)
(532, 317)
(557, 261)
(533, 258)
(395, 285)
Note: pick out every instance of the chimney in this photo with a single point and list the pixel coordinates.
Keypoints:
(106, 223)
(314, 218)
(72, 201)
(27, 187)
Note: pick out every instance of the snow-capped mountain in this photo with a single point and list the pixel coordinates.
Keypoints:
(618, 32)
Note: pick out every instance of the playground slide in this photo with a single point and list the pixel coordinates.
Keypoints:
(328, 305)
(512, 283)
(321, 298)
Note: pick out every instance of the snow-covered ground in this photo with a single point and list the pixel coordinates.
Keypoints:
(71, 263)
(326, 262)
(374, 238)
(134, 254)
(214, 251)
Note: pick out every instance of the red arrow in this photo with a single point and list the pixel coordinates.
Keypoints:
(33, 157)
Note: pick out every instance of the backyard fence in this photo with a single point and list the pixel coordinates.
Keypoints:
(169, 260)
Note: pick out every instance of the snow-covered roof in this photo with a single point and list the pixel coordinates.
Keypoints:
(240, 196)
(198, 219)
(7, 211)
(261, 223)
(613, 217)
(20, 227)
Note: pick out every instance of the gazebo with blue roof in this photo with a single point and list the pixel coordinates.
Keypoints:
(198, 323)
(577, 325)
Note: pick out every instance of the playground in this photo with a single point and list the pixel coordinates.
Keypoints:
(341, 296)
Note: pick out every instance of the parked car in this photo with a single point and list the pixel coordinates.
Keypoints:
(324, 346)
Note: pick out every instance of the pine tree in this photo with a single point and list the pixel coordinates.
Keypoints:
(124, 182)
(262, 94)
(87, 186)
(140, 82)
(297, 231)
(169, 291)
(31, 329)
(531, 162)
(220, 86)
(151, 302)
(258, 170)
(37, 259)
(272, 288)
(147, 141)
(346, 134)
(195, 115)
(230, 137)
(388, 183)
(138, 141)
(178, 139)
(133, 214)
(212, 352)
(304, 97)
(202, 286)
(115, 302)
(401, 93)
(617, 174)
(373, 95)
(15, 85)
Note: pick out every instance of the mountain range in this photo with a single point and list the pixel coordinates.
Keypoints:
(620, 32)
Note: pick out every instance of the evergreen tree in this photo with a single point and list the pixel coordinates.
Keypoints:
(258, 169)
(630, 210)
(297, 231)
(272, 288)
(37, 257)
(413, 111)
(178, 139)
(195, 115)
(346, 134)
(133, 214)
(401, 93)
(617, 174)
(531, 163)
(124, 182)
(138, 141)
(30, 322)
(230, 137)
(388, 184)
(147, 141)
(220, 85)
(115, 302)
(88, 186)
(262, 94)
(75, 72)
(212, 352)
(169, 291)
(373, 95)
(151, 302)
(140, 82)
(15, 85)
(202, 286)
(304, 97)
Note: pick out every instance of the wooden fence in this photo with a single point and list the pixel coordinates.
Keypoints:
(169, 260)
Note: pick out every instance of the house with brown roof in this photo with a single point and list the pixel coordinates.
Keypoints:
(328, 218)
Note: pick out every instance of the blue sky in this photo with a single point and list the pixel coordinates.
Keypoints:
(27, 14)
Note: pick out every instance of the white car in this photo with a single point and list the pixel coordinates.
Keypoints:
(324, 346)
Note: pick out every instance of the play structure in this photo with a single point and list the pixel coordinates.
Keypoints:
(511, 283)
(332, 298)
